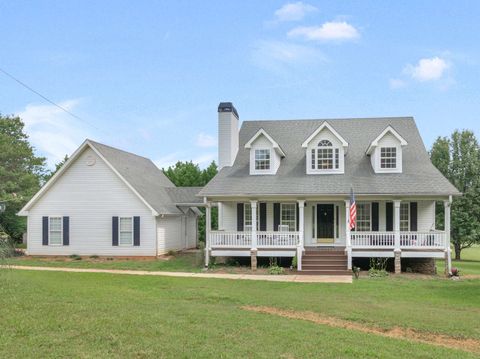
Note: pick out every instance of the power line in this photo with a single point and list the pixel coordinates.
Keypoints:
(47, 99)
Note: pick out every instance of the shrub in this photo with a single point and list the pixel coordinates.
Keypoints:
(378, 267)
(94, 256)
(75, 257)
(274, 268)
(171, 253)
(295, 262)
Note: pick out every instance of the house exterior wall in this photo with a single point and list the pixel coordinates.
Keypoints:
(90, 196)
(263, 143)
(191, 230)
(388, 140)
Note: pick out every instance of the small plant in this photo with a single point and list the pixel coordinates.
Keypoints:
(109, 259)
(75, 257)
(356, 272)
(274, 268)
(212, 264)
(231, 262)
(94, 256)
(171, 253)
(378, 267)
(294, 262)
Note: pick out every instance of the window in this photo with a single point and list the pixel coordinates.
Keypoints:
(364, 217)
(55, 230)
(388, 157)
(262, 159)
(247, 211)
(288, 215)
(325, 156)
(126, 231)
(404, 217)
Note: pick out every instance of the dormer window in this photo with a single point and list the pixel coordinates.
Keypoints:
(262, 159)
(388, 157)
(325, 156)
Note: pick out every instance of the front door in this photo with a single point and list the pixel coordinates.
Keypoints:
(325, 223)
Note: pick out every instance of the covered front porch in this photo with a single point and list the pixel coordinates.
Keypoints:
(285, 227)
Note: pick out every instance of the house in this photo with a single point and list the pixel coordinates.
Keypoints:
(109, 202)
(284, 190)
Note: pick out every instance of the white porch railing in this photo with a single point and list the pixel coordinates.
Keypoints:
(233, 239)
(408, 240)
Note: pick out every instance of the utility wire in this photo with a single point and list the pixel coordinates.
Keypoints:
(47, 99)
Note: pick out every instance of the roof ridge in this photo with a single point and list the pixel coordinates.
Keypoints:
(335, 119)
(118, 149)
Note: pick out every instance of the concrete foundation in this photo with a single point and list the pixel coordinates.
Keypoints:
(253, 258)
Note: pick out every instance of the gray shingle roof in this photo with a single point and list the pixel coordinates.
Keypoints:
(419, 176)
(148, 180)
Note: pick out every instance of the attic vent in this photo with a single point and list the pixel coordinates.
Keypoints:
(90, 161)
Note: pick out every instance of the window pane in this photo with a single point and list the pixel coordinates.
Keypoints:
(126, 224)
(363, 217)
(324, 158)
(55, 223)
(324, 143)
(126, 229)
(313, 159)
(55, 237)
(388, 157)
(262, 159)
(125, 237)
(288, 215)
(247, 219)
(404, 217)
(337, 160)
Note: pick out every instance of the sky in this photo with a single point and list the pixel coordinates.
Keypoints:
(147, 76)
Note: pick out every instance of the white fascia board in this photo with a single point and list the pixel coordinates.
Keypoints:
(388, 129)
(275, 145)
(318, 130)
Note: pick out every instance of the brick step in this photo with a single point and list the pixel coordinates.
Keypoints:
(324, 272)
(324, 267)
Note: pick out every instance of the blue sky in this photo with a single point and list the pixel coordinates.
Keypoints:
(147, 76)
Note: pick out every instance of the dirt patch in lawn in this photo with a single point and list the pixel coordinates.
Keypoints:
(470, 345)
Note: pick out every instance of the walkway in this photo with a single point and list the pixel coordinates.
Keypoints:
(270, 278)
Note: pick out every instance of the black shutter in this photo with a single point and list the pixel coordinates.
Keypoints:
(240, 217)
(413, 216)
(66, 231)
(296, 219)
(375, 216)
(276, 216)
(114, 231)
(389, 214)
(136, 231)
(263, 216)
(45, 231)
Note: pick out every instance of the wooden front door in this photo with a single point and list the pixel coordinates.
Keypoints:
(325, 221)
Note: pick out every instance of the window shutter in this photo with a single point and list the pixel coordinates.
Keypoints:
(240, 218)
(276, 216)
(136, 231)
(375, 215)
(263, 216)
(114, 231)
(389, 215)
(45, 231)
(296, 218)
(66, 231)
(413, 216)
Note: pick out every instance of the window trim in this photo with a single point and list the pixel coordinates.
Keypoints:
(335, 158)
(389, 158)
(261, 170)
(50, 231)
(294, 216)
(407, 204)
(120, 231)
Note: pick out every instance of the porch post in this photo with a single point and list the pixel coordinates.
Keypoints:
(348, 236)
(396, 224)
(208, 228)
(448, 252)
(253, 250)
(301, 228)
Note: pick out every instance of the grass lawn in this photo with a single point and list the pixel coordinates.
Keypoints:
(92, 315)
(470, 263)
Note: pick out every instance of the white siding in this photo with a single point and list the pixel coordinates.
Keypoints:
(170, 231)
(191, 230)
(325, 134)
(388, 140)
(263, 143)
(227, 138)
(90, 196)
(426, 216)
(229, 210)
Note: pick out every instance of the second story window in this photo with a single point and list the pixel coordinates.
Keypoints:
(262, 159)
(325, 156)
(388, 157)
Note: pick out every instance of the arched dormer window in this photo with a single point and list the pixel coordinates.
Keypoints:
(325, 156)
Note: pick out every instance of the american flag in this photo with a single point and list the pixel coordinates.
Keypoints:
(353, 211)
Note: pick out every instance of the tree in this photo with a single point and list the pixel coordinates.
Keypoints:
(188, 174)
(57, 167)
(458, 158)
(21, 173)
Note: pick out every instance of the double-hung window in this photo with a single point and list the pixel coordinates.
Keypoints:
(125, 231)
(404, 217)
(247, 211)
(364, 217)
(388, 157)
(262, 159)
(288, 215)
(55, 230)
(325, 156)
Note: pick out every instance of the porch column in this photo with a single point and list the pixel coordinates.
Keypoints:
(396, 226)
(208, 228)
(220, 216)
(448, 252)
(301, 228)
(348, 236)
(253, 250)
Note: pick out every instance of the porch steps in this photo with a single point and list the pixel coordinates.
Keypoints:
(329, 261)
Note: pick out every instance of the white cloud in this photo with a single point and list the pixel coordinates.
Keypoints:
(428, 69)
(52, 131)
(204, 140)
(397, 84)
(329, 31)
(294, 11)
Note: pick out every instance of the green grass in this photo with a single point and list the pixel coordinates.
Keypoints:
(470, 263)
(182, 262)
(91, 315)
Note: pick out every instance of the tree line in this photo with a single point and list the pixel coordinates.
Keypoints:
(22, 173)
